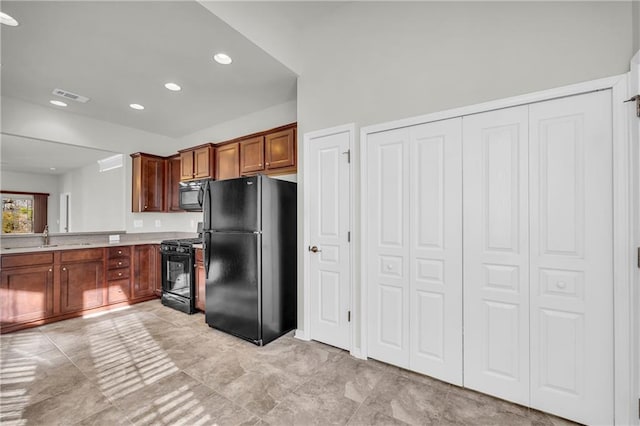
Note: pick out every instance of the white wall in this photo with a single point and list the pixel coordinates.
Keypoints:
(31, 182)
(380, 61)
(636, 26)
(97, 199)
(268, 118)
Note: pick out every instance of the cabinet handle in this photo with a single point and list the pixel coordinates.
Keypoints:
(64, 269)
(50, 269)
(266, 164)
(119, 251)
(119, 274)
(259, 164)
(119, 263)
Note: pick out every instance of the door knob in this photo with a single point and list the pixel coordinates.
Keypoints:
(314, 249)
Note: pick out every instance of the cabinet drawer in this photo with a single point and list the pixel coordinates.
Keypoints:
(119, 291)
(115, 263)
(81, 255)
(117, 274)
(31, 259)
(119, 251)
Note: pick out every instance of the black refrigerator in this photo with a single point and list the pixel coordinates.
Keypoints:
(249, 236)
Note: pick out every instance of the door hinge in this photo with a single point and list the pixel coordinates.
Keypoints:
(349, 240)
(638, 257)
(348, 152)
(348, 316)
(635, 99)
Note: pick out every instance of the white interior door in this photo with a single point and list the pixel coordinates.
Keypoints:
(329, 213)
(436, 249)
(496, 253)
(65, 212)
(571, 257)
(388, 247)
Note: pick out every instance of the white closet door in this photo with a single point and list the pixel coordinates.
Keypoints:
(496, 257)
(571, 258)
(388, 247)
(436, 250)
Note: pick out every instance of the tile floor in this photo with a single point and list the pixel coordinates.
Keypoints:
(149, 364)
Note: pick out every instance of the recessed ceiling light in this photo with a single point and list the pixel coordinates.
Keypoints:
(8, 20)
(222, 58)
(52, 168)
(173, 87)
(136, 106)
(58, 103)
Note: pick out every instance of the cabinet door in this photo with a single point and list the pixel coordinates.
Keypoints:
(186, 165)
(26, 294)
(203, 163)
(280, 149)
(571, 272)
(81, 286)
(145, 271)
(252, 155)
(388, 250)
(200, 287)
(496, 253)
(118, 291)
(228, 161)
(173, 178)
(435, 254)
(153, 184)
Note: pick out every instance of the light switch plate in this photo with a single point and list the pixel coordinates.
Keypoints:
(137, 223)
(114, 238)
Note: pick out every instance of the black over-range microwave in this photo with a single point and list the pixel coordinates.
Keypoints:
(190, 195)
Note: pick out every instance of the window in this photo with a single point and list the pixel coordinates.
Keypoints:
(23, 213)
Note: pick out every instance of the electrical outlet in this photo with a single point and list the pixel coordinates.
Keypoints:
(138, 223)
(158, 223)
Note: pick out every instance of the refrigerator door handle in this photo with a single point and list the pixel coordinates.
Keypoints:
(206, 202)
(206, 244)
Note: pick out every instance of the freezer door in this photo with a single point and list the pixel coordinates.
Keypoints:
(234, 204)
(233, 284)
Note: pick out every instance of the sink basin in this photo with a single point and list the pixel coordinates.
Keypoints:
(48, 245)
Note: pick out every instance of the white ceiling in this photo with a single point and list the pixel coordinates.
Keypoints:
(122, 52)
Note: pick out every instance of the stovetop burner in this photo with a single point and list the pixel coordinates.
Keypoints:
(183, 241)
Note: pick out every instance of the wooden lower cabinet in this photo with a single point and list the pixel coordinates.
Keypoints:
(38, 288)
(201, 278)
(81, 286)
(26, 294)
(145, 270)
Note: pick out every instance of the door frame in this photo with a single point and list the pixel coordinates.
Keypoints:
(625, 165)
(306, 332)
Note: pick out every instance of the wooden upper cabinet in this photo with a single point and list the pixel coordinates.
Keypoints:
(252, 155)
(173, 179)
(148, 180)
(186, 165)
(228, 161)
(280, 149)
(197, 163)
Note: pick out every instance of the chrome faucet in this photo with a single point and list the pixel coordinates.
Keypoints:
(45, 236)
